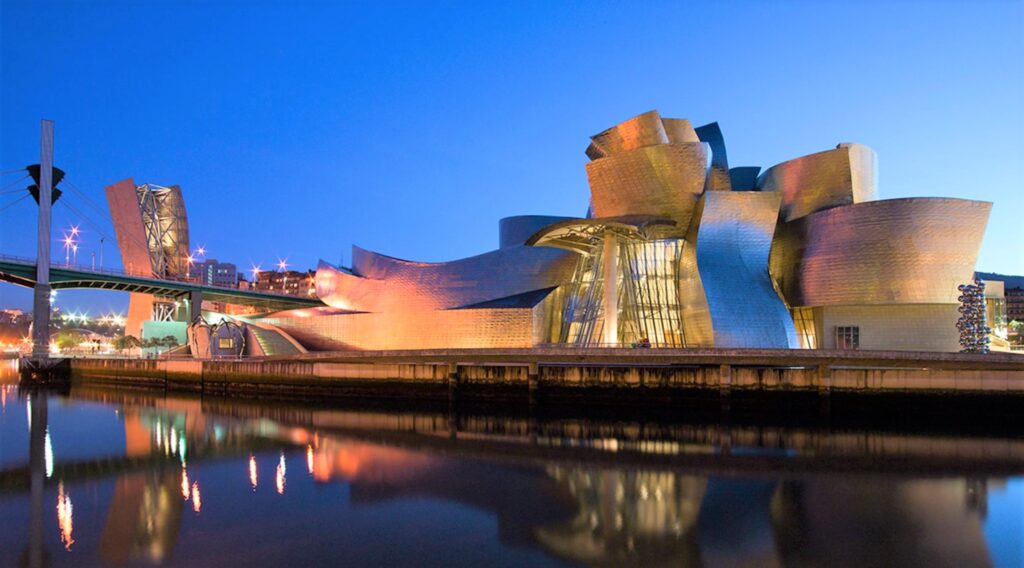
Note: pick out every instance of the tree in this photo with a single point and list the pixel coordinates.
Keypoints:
(169, 341)
(67, 340)
(128, 342)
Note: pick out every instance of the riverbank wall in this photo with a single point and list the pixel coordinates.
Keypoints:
(572, 375)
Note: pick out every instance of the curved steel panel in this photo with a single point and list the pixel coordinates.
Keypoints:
(679, 130)
(641, 130)
(718, 180)
(381, 283)
(913, 250)
(733, 244)
(516, 230)
(843, 176)
(663, 181)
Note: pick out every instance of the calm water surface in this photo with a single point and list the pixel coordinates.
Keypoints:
(137, 478)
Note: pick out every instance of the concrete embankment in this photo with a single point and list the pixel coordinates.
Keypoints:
(572, 375)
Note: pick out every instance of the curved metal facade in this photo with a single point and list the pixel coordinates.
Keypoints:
(718, 178)
(380, 283)
(642, 130)
(661, 181)
(514, 231)
(733, 244)
(897, 251)
(682, 251)
(843, 176)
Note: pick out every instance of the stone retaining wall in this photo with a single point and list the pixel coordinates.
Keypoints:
(439, 381)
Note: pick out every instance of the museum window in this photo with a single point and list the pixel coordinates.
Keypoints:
(225, 343)
(848, 337)
(803, 320)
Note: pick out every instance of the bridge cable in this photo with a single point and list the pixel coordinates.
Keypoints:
(13, 203)
(88, 220)
(17, 181)
(85, 197)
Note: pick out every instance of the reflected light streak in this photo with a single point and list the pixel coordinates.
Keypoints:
(252, 471)
(184, 483)
(64, 514)
(197, 502)
(48, 455)
(279, 477)
(309, 459)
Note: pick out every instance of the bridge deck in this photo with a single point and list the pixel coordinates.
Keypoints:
(22, 272)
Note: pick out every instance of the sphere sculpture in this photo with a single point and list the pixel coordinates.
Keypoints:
(972, 325)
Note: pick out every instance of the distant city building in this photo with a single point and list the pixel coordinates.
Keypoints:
(1015, 304)
(290, 282)
(214, 273)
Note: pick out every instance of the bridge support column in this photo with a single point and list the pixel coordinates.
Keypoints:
(195, 305)
(41, 321)
(41, 294)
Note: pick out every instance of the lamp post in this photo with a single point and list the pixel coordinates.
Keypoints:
(282, 265)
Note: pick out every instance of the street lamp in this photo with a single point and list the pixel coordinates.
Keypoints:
(282, 265)
(69, 241)
(255, 274)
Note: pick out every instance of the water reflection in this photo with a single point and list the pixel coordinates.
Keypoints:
(558, 491)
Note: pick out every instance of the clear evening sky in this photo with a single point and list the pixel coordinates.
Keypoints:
(295, 131)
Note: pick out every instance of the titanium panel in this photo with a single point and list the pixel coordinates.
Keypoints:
(896, 251)
(693, 302)
(432, 329)
(680, 131)
(514, 231)
(661, 181)
(733, 244)
(381, 283)
(843, 176)
(718, 178)
(642, 130)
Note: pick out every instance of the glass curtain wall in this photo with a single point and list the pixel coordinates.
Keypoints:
(648, 299)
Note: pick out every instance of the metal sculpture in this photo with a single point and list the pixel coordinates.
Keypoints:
(974, 330)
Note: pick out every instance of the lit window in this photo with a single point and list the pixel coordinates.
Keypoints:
(848, 337)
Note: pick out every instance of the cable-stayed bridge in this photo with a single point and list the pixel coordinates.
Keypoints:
(22, 272)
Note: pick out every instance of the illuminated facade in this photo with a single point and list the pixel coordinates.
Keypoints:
(678, 249)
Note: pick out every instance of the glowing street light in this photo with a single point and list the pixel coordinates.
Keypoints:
(282, 265)
(69, 241)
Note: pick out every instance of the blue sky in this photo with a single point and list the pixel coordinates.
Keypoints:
(411, 128)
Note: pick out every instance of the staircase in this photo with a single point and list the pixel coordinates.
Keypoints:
(272, 342)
